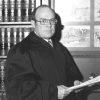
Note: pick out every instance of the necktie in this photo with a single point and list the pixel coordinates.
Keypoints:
(50, 42)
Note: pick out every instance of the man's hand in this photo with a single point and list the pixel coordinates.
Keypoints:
(77, 82)
(62, 91)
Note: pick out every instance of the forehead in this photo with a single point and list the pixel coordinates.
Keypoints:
(45, 13)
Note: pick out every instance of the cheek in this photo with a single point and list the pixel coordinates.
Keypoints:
(39, 29)
(53, 29)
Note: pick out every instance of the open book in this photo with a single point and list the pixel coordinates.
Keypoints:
(86, 83)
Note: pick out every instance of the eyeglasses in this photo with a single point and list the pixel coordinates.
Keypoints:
(47, 21)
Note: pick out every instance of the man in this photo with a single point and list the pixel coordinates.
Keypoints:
(37, 70)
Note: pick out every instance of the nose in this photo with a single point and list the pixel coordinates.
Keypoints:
(49, 24)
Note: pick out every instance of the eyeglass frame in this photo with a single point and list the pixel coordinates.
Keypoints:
(47, 21)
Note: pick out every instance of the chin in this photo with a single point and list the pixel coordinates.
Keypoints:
(49, 35)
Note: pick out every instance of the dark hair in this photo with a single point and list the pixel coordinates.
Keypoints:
(34, 12)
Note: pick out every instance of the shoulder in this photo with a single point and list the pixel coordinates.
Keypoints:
(19, 49)
(63, 48)
(65, 51)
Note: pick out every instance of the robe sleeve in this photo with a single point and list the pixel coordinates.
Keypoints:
(72, 71)
(23, 83)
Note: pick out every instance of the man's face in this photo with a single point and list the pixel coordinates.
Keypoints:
(45, 23)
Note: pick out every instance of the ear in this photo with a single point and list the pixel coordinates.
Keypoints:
(33, 23)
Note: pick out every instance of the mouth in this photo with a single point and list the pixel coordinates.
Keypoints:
(46, 30)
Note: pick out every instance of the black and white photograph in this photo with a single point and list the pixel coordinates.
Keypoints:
(49, 49)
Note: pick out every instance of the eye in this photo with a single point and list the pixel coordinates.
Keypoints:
(43, 21)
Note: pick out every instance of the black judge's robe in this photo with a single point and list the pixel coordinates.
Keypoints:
(34, 69)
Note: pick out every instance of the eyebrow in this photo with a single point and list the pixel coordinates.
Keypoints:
(47, 19)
